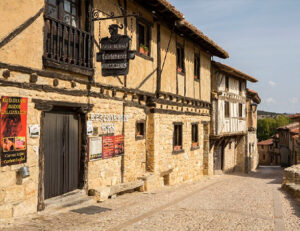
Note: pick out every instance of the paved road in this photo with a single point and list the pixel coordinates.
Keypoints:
(227, 202)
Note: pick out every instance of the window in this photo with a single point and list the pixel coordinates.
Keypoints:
(195, 138)
(226, 83)
(64, 10)
(177, 143)
(240, 86)
(250, 151)
(262, 147)
(240, 110)
(143, 38)
(140, 129)
(180, 58)
(264, 157)
(227, 113)
(197, 67)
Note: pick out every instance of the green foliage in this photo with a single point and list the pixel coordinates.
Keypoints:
(267, 127)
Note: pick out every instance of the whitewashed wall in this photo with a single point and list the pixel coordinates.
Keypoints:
(232, 124)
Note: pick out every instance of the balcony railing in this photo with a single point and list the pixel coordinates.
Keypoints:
(67, 45)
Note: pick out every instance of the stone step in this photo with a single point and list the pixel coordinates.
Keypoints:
(69, 201)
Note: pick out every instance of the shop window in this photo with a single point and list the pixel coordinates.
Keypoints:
(240, 110)
(140, 129)
(226, 83)
(143, 38)
(197, 67)
(227, 109)
(180, 58)
(177, 137)
(195, 136)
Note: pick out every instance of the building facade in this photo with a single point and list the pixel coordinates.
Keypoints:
(253, 100)
(229, 126)
(75, 127)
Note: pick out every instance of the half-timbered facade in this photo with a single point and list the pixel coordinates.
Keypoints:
(101, 134)
(229, 126)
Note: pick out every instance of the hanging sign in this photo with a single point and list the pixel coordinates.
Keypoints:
(95, 148)
(115, 54)
(13, 130)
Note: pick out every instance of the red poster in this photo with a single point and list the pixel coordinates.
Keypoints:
(108, 149)
(119, 145)
(13, 130)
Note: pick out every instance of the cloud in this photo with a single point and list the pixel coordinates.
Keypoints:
(271, 83)
(270, 100)
(294, 100)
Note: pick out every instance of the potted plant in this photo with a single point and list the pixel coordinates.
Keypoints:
(142, 50)
(196, 77)
(179, 69)
(195, 144)
(177, 148)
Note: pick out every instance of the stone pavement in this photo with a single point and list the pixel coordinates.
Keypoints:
(226, 202)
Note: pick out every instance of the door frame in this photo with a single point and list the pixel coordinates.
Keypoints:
(81, 110)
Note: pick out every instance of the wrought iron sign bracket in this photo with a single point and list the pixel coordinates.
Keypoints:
(96, 17)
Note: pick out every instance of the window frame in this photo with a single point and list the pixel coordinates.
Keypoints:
(227, 109)
(147, 25)
(61, 12)
(140, 136)
(240, 110)
(197, 67)
(227, 83)
(180, 68)
(179, 145)
(195, 139)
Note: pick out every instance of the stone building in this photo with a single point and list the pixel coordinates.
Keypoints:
(77, 127)
(265, 149)
(229, 128)
(253, 100)
(286, 134)
(296, 140)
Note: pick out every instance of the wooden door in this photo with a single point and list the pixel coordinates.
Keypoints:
(61, 151)
(218, 158)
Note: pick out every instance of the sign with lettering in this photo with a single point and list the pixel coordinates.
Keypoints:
(108, 149)
(95, 148)
(115, 54)
(13, 130)
(119, 145)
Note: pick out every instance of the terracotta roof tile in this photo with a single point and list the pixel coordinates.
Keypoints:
(254, 95)
(234, 72)
(266, 142)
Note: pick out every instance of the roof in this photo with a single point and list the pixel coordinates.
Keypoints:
(289, 126)
(294, 116)
(266, 142)
(234, 72)
(175, 18)
(294, 130)
(254, 96)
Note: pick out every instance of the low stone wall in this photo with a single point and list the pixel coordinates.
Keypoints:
(291, 180)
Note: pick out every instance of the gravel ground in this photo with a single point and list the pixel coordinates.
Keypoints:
(226, 202)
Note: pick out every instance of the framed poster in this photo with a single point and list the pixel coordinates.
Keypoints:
(95, 148)
(119, 145)
(108, 149)
(13, 130)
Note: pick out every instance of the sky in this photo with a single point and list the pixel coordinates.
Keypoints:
(262, 38)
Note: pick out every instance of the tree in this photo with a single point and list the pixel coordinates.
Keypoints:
(267, 127)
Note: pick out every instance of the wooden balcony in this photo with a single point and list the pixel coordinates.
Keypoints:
(67, 48)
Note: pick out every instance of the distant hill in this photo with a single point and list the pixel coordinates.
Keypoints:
(266, 114)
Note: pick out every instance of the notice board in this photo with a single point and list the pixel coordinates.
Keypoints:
(95, 148)
(13, 130)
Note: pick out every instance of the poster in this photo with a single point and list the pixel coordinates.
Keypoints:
(13, 130)
(89, 128)
(95, 148)
(119, 145)
(108, 149)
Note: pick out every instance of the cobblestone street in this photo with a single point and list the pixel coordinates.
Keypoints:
(226, 202)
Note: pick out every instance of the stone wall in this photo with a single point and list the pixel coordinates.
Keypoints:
(291, 180)
(230, 156)
(182, 166)
(252, 150)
